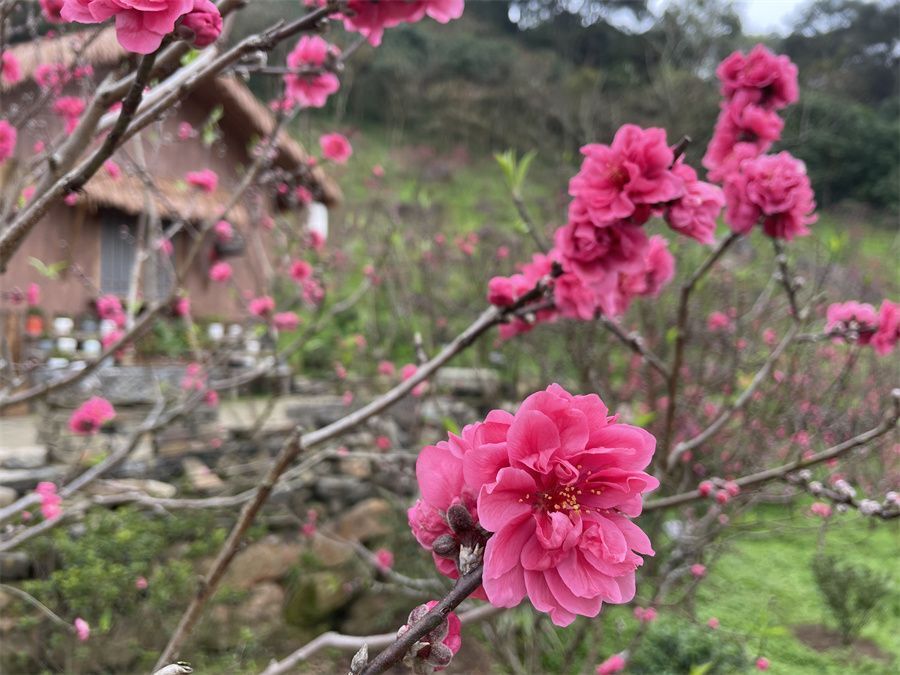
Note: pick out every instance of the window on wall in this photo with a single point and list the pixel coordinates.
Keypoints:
(118, 244)
(118, 247)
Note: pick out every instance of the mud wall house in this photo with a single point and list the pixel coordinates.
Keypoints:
(93, 240)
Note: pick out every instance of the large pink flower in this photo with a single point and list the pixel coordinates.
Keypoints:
(91, 415)
(615, 180)
(888, 333)
(556, 484)
(760, 77)
(773, 189)
(694, 214)
(141, 25)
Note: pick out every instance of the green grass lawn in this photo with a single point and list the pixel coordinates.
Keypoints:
(763, 586)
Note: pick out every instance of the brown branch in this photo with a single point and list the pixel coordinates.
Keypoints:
(738, 403)
(636, 343)
(465, 586)
(355, 642)
(682, 333)
(289, 451)
(787, 281)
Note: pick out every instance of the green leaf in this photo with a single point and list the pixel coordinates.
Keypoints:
(645, 419)
(522, 170)
(702, 669)
(450, 426)
(50, 271)
(672, 335)
(105, 620)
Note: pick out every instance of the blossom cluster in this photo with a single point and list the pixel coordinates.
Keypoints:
(604, 255)
(862, 323)
(603, 258)
(554, 486)
(770, 189)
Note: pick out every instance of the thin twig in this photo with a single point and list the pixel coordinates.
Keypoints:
(887, 424)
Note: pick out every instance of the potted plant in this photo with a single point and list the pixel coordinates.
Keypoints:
(34, 322)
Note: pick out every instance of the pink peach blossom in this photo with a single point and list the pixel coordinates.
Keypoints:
(82, 629)
(759, 77)
(141, 25)
(262, 306)
(206, 179)
(554, 481)
(336, 147)
(310, 90)
(694, 214)
(10, 70)
(622, 180)
(91, 415)
(384, 559)
(614, 664)
(8, 137)
(886, 337)
(51, 10)
(286, 321)
(220, 271)
(204, 21)
(773, 190)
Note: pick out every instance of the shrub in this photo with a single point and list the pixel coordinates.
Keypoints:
(853, 593)
(674, 648)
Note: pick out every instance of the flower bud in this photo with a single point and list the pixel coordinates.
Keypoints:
(446, 546)
(459, 519)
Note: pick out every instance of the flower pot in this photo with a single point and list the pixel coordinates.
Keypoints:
(34, 325)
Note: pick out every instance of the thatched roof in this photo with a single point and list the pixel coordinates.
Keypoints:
(97, 47)
(242, 111)
(173, 198)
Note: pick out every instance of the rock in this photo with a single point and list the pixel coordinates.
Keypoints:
(366, 520)
(25, 479)
(7, 496)
(201, 476)
(358, 467)
(23, 457)
(343, 490)
(437, 410)
(481, 383)
(15, 566)
(316, 411)
(264, 605)
(269, 559)
(154, 488)
(318, 597)
(330, 552)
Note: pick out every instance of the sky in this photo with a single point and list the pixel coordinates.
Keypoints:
(757, 16)
(768, 16)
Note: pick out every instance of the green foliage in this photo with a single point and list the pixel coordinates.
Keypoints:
(671, 648)
(853, 593)
(93, 575)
